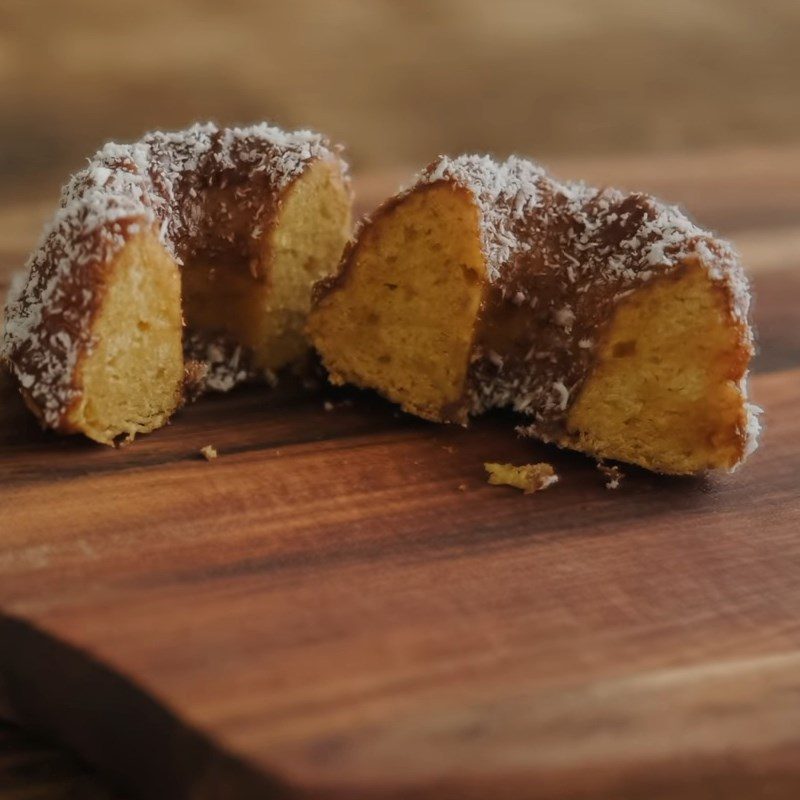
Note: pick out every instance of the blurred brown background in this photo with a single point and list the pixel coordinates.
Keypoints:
(398, 82)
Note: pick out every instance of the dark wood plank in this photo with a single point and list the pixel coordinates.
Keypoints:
(518, 639)
(33, 770)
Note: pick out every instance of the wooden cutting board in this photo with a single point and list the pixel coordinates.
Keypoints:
(340, 606)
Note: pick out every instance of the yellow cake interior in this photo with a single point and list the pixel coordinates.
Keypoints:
(130, 382)
(402, 316)
(665, 392)
(263, 303)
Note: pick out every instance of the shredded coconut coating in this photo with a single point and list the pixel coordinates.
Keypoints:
(167, 182)
(612, 474)
(586, 234)
(227, 363)
(570, 253)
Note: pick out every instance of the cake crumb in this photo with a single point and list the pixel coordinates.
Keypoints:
(329, 405)
(462, 487)
(613, 474)
(209, 452)
(194, 380)
(449, 448)
(528, 477)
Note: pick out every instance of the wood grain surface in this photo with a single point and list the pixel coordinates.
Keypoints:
(341, 606)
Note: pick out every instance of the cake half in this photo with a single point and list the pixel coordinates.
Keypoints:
(609, 319)
(198, 248)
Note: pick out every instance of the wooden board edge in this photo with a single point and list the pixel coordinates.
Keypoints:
(147, 751)
(133, 740)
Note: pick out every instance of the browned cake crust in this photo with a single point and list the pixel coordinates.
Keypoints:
(208, 193)
(560, 259)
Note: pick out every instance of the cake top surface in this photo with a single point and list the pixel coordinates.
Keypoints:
(161, 174)
(602, 235)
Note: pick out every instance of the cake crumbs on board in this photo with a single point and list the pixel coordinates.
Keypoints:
(209, 452)
(330, 405)
(612, 473)
(528, 477)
